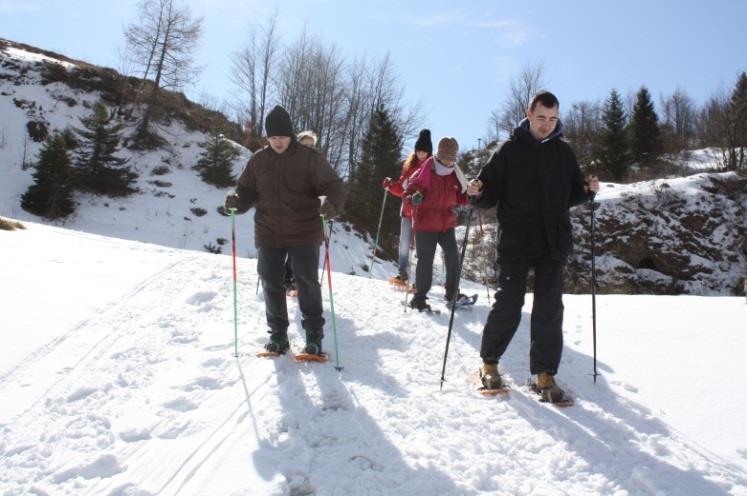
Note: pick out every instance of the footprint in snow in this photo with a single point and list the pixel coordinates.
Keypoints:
(173, 431)
(134, 435)
(204, 383)
(80, 393)
(214, 362)
(202, 298)
(180, 404)
(183, 337)
(103, 467)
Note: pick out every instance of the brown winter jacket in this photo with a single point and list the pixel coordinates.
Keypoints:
(285, 189)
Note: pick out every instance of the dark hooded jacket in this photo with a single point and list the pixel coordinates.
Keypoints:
(285, 189)
(534, 184)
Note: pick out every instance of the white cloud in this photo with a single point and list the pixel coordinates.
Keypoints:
(509, 33)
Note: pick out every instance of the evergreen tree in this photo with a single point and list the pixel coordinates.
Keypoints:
(643, 131)
(216, 162)
(612, 146)
(98, 169)
(381, 157)
(737, 127)
(51, 195)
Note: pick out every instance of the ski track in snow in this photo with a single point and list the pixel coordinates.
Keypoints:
(148, 399)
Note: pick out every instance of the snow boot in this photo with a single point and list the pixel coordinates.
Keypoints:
(313, 344)
(461, 299)
(278, 343)
(400, 280)
(490, 377)
(420, 305)
(548, 388)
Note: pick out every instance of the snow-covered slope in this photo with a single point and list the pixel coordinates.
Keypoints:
(120, 380)
(173, 207)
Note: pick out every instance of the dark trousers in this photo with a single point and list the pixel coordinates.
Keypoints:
(304, 261)
(547, 313)
(425, 247)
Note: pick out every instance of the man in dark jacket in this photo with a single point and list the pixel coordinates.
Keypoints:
(534, 179)
(284, 182)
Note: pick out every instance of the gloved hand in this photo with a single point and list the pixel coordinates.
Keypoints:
(386, 183)
(328, 210)
(232, 201)
(417, 198)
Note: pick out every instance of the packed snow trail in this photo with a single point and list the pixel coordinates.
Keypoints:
(144, 396)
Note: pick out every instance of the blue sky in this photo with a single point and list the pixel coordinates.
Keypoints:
(455, 57)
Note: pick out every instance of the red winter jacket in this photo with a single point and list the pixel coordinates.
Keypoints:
(441, 194)
(397, 188)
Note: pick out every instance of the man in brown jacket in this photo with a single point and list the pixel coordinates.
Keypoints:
(284, 182)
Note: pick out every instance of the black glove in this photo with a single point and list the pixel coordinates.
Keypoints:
(417, 198)
(232, 201)
(328, 210)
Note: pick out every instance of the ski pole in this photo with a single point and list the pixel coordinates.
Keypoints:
(331, 297)
(456, 294)
(483, 255)
(593, 292)
(409, 266)
(326, 254)
(235, 305)
(378, 231)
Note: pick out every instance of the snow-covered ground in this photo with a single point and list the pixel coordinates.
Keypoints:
(175, 209)
(118, 378)
(703, 159)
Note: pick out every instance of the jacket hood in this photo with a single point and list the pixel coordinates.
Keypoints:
(523, 128)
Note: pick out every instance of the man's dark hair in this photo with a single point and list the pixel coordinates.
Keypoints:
(546, 98)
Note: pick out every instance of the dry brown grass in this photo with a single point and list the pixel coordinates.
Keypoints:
(10, 225)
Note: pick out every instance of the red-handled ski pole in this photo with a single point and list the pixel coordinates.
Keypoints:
(331, 296)
(456, 293)
(235, 305)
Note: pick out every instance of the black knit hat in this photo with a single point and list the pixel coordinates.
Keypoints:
(278, 123)
(424, 142)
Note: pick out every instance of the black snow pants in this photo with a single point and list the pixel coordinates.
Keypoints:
(304, 262)
(546, 334)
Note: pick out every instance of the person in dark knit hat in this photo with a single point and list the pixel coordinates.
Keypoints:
(423, 150)
(284, 182)
(435, 191)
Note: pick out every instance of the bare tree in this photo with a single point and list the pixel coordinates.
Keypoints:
(582, 124)
(142, 38)
(252, 71)
(320, 90)
(514, 108)
(161, 44)
(714, 125)
(678, 121)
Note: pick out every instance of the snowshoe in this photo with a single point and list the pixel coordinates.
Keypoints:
(490, 381)
(400, 282)
(420, 305)
(291, 290)
(462, 300)
(278, 345)
(549, 391)
(312, 352)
